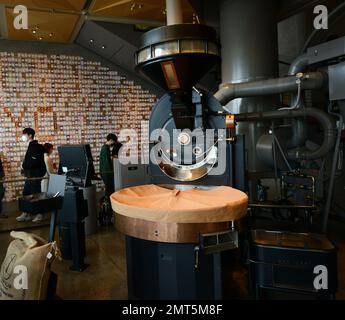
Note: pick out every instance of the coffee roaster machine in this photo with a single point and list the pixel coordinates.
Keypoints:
(176, 57)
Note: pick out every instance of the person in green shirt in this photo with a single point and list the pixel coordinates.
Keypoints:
(106, 164)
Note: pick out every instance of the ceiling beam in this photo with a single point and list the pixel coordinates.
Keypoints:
(78, 26)
(63, 11)
(80, 23)
(152, 23)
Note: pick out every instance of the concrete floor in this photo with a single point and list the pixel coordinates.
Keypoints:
(105, 278)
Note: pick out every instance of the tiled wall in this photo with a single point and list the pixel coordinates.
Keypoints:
(67, 100)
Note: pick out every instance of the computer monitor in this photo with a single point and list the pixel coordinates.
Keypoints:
(76, 163)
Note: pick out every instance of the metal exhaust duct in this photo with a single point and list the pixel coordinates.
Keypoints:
(249, 37)
(174, 12)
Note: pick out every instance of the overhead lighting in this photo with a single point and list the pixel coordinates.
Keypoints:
(33, 31)
(91, 41)
(50, 34)
(103, 47)
(40, 38)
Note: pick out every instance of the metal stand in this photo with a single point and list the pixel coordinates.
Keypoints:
(162, 271)
(72, 228)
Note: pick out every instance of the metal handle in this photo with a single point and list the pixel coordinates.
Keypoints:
(196, 257)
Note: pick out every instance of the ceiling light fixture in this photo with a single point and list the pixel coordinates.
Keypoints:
(50, 34)
(33, 31)
(91, 40)
(103, 47)
(41, 38)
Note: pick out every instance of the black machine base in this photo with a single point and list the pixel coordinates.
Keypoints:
(282, 265)
(72, 228)
(159, 271)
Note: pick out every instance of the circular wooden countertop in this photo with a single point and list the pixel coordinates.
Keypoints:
(156, 213)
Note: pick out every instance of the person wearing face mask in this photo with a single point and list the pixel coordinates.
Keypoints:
(34, 169)
(106, 165)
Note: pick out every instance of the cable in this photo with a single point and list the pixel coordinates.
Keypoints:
(298, 98)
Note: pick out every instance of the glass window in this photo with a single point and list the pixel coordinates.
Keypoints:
(164, 49)
(144, 55)
(193, 46)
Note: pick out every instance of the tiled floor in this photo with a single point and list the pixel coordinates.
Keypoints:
(105, 278)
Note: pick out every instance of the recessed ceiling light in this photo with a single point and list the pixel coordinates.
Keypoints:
(51, 34)
(33, 31)
(91, 40)
(41, 38)
(103, 47)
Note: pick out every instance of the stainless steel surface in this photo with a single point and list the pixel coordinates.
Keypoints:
(190, 172)
(184, 187)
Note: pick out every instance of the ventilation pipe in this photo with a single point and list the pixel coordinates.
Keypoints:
(325, 120)
(174, 12)
(299, 64)
(249, 38)
(230, 91)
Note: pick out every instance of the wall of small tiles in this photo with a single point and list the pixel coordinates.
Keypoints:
(67, 100)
